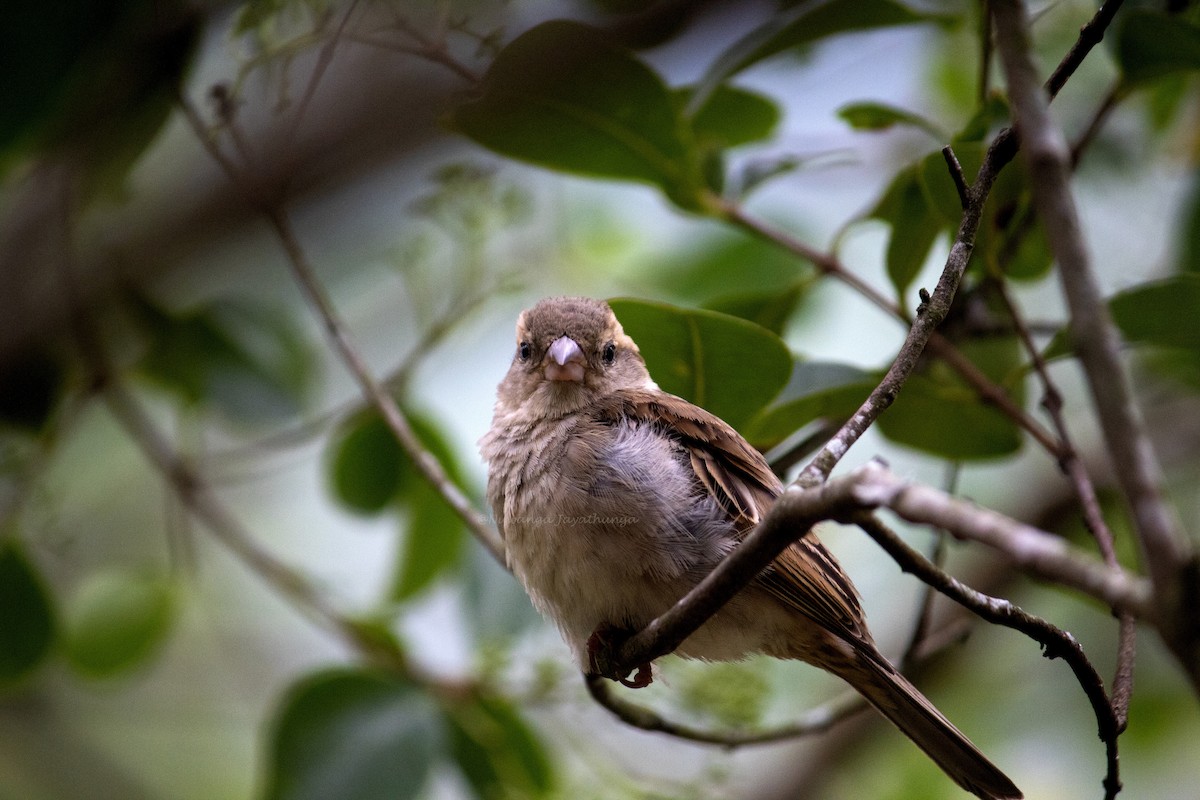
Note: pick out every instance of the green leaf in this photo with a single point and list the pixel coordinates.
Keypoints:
(938, 185)
(948, 421)
(1162, 313)
(875, 116)
(498, 753)
(938, 413)
(246, 360)
(26, 615)
(726, 365)
(1189, 245)
(771, 283)
(914, 223)
(353, 735)
(435, 535)
(769, 308)
(366, 470)
(1151, 44)
(731, 117)
(817, 390)
(115, 621)
(432, 545)
(563, 97)
(802, 25)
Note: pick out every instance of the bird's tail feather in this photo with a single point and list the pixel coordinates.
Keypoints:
(902, 703)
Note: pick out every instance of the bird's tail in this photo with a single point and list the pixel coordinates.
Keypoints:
(898, 700)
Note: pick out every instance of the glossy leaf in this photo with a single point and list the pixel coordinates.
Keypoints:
(938, 413)
(434, 539)
(115, 621)
(1151, 44)
(817, 390)
(27, 624)
(432, 544)
(563, 97)
(803, 24)
(706, 269)
(731, 117)
(1189, 245)
(771, 308)
(876, 116)
(496, 750)
(247, 361)
(353, 735)
(948, 421)
(1163, 313)
(726, 365)
(366, 471)
(914, 223)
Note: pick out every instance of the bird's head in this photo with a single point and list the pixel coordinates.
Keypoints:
(570, 351)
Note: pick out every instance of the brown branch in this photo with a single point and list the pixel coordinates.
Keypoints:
(1055, 642)
(1166, 553)
(373, 391)
(815, 721)
(867, 488)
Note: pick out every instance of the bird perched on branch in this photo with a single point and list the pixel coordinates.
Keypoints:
(615, 498)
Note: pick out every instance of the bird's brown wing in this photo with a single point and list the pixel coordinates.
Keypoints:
(805, 576)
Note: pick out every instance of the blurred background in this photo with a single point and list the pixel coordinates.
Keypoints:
(147, 658)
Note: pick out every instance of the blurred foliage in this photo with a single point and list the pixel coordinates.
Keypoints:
(98, 82)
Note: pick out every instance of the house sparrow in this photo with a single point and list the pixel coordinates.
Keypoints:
(615, 498)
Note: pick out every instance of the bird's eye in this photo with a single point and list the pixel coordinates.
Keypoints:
(524, 351)
(610, 353)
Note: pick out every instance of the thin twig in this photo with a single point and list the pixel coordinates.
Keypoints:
(1056, 643)
(815, 721)
(339, 335)
(956, 175)
(867, 488)
(1094, 336)
(375, 393)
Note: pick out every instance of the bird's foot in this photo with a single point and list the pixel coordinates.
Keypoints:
(600, 647)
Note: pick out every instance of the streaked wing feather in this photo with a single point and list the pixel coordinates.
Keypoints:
(805, 576)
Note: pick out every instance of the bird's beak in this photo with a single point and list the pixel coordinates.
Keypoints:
(564, 361)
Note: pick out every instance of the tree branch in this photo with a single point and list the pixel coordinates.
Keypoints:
(1169, 561)
(867, 488)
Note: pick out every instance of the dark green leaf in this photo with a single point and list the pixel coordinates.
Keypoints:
(875, 116)
(817, 390)
(248, 361)
(1163, 313)
(770, 309)
(726, 365)
(115, 621)
(1151, 44)
(1189, 245)
(353, 735)
(435, 534)
(993, 112)
(496, 750)
(938, 185)
(948, 421)
(705, 270)
(731, 117)
(432, 544)
(915, 226)
(563, 97)
(802, 25)
(30, 385)
(366, 470)
(26, 615)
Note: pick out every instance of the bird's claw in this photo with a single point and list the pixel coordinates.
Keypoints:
(600, 647)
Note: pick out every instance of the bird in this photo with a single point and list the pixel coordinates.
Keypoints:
(614, 498)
